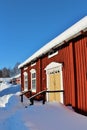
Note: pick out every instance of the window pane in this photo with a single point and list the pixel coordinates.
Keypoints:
(34, 75)
(34, 84)
(25, 82)
(26, 78)
(33, 81)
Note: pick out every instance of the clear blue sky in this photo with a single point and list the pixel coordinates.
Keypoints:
(26, 25)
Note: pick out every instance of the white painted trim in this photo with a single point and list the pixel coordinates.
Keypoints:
(53, 54)
(52, 67)
(25, 74)
(25, 68)
(47, 86)
(33, 90)
(33, 64)
(32, 71)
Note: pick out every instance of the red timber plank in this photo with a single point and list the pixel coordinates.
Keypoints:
(65, 72)
(39, 76)
(72, 84)
(85, 72)
(64, 78)
(22, 80)
(29, 77)
(69, 75)
(81, 75)
(77, 75)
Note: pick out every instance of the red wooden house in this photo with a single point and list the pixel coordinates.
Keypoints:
(16, 79)
(60, 65)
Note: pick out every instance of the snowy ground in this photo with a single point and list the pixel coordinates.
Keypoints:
(51, 116)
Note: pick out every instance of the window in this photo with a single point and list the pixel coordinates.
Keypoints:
(33, 80)
(25, 81)
(33, 63)
(52, 53)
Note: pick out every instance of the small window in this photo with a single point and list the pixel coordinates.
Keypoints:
(52, 53)
(25, 81)
(33, 80)
(33, 63)
(25, 68)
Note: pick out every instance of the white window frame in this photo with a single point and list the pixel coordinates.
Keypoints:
(25, 68)
(53, 54)
(33, 64)
(25, 81)
(33, 71)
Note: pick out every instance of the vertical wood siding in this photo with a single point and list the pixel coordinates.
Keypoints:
(74, 58)
(80, 50)
(65, 56)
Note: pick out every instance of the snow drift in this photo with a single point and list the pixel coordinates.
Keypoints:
(51, 116)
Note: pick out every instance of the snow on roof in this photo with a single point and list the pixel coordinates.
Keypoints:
(16, 76)
(70, 33)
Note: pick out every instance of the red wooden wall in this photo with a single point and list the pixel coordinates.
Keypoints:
(74, 58)
(80, 54)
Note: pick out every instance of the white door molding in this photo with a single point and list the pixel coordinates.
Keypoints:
(54, 67)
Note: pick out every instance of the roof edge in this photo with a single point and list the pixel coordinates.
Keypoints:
(67, 35)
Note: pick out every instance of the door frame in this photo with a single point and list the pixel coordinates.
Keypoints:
(53, 67)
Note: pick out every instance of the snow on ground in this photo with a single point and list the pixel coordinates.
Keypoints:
(51, 116)
(6, 91)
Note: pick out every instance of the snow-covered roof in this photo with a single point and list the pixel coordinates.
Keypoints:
(16, 76)
(70, 33)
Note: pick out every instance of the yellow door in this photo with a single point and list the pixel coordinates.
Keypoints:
(57, 86)
(54, 84)
(51, 86)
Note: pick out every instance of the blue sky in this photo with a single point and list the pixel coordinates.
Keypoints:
(26, 25)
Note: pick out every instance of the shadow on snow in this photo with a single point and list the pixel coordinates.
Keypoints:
(11, 90)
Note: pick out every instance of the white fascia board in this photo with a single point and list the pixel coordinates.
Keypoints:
(59, 40)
